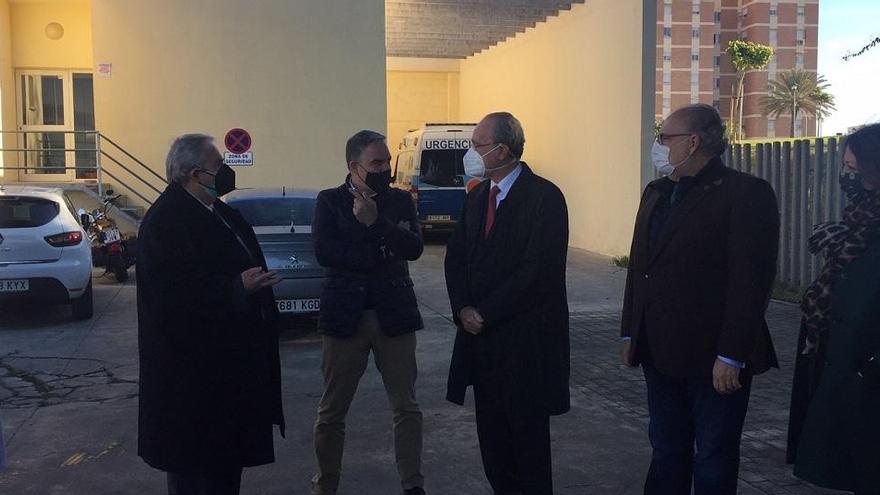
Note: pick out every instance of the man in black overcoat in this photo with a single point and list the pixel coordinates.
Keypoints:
(210, 381)
(505, 273)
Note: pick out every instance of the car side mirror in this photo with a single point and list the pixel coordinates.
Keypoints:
(84, 218)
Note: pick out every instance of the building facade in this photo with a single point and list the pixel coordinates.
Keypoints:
(692, 66)
(303, 76)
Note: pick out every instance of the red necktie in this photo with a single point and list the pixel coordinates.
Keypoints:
(490, 212)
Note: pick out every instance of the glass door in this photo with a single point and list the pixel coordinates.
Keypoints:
(85, 142)
(48, 112)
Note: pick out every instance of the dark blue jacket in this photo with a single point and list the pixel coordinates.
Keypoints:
(366, 267)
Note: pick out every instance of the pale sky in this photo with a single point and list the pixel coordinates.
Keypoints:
(846, 26)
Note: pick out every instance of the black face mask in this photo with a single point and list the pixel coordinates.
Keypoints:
(224, 181)
(379, 182)
(851, 183)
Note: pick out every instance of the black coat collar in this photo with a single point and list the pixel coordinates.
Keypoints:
(192, 208)
(704, 184)
(204, 222)
(517, 192)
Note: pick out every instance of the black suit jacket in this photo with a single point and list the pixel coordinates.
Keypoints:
(210, 376)
(516, 280)
(703, 290)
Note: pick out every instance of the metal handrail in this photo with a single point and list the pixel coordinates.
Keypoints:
(120, 148)
(48, 131)
(136, 176)
(126, 186)
(48, 168)
(49, 150)
(98, 168)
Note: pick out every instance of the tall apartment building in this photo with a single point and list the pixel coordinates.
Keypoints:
(692, 66)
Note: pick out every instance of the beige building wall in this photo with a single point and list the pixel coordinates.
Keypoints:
(300, 76)
(7, 91)
(33, 49)
(578, 85)
(24, 44)
(420, 91)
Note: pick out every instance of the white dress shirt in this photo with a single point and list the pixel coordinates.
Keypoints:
(505, 184)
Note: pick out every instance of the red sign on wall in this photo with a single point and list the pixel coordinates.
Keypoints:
(238, 141)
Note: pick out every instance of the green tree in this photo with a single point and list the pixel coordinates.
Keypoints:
(797, 91)
(746, 55)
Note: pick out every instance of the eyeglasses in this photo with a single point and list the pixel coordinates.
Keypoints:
(664, 138)
(220, 162)
(480, 145)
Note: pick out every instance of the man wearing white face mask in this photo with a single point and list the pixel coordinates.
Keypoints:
(702, 266)
(505, 273)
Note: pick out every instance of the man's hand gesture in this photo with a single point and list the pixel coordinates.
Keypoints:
(255, 279)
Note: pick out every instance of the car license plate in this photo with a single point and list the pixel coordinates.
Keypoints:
(299, 305)
(112, 235)
(14, 286)
(438, 218)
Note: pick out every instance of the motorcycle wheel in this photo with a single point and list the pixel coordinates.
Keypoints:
(119, 269)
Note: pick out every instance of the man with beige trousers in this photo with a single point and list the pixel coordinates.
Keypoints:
(365, 233)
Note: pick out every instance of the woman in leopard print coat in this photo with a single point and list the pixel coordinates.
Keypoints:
(834, 432)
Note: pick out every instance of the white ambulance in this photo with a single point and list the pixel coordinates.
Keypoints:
(429, 164)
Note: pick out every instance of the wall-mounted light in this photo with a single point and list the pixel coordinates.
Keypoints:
(54, 31)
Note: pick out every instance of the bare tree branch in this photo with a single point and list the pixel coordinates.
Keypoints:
(867, 47)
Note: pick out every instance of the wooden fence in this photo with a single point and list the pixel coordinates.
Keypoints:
(804, 175)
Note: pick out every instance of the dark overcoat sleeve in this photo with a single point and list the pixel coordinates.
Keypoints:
(752, 249)
(456, 265)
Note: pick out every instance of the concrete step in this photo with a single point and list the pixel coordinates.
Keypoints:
(136, 212)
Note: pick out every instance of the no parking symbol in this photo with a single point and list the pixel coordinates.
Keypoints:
(238, 143)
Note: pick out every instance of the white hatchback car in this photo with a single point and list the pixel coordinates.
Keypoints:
(45, 255)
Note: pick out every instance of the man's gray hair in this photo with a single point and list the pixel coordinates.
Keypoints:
(359, 142)
(705, 121)
(186, 154)
(507, 130)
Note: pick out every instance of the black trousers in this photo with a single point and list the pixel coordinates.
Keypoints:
(515, 447)
(226, 482)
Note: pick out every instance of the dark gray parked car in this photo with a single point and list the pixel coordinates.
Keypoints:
(282, 220)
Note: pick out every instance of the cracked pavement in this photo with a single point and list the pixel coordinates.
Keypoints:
(68, 403)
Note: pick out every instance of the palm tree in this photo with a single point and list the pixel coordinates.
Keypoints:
(797, 91)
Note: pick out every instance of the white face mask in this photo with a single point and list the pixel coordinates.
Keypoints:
(474, 165)
(660, 158)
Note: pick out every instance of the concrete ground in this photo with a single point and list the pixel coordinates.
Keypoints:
(68, 403)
